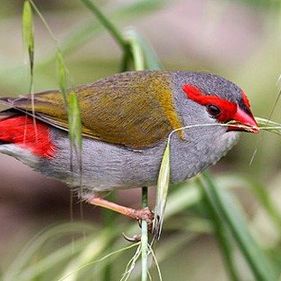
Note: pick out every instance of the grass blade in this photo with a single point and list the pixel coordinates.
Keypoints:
(44, 22)
(64, 253)
(27, 254)
(137, 53)
(144, 238)
(266, 201)
(89, 253)
(107, 24)
(152, 61)
(142, 52)
(162, 192)
(90, 29)
(62, 74)
(222, 235)
(268, 125)
(74, 120)
(70, 99)
(261, 267)
(27, 31)
(138, 60)
(28, 41)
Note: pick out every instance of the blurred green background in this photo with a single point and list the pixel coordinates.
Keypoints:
(239, 40)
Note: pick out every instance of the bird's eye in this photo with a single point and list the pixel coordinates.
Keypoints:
(213, 110)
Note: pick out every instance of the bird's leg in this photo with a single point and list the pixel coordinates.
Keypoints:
(137, 214)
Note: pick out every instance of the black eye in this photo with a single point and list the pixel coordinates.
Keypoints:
(213, 110)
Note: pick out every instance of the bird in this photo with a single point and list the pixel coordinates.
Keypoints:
(126, 121)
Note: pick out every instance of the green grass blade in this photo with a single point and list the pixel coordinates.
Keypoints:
(138, 61)
(144, 238)
(266, 201)
(42, 266)
(162, 192)
(88, 254)
(269, 125)
(27, 31)
(44, 22)
(187, 194)
(74, 120)
(139, 58)
(70, 99)
(266, 122)
(261, 267)
(72, 107)
(89, 29)
(137, 52)
(258, 189)
(169, 247)
(29, 251)
(222, 235)
(63, 254)
(28, 40)
(142, 52)
(116, 34)
(62, 74)
(152, 61)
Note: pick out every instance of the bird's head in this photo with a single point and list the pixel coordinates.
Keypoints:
(222, 100)
(203, 98)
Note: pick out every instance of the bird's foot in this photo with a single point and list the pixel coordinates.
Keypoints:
(144, 214)
(137, 214)
(141, 214)
(147, 215)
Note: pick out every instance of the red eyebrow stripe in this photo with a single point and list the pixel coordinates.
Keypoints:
(228, 109)
(197, 96)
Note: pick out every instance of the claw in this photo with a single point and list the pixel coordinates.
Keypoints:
(134, 239)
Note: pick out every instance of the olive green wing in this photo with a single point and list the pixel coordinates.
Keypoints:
(134, 109)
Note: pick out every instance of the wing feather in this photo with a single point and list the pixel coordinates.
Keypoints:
(134, 109)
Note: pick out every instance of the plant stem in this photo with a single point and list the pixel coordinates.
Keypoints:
(124, 66)
(109, 221)
(138, 61)
(144, 237)
(107, 24)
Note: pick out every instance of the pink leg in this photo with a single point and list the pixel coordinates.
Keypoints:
(140, 214)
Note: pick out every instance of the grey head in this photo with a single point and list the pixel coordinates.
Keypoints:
(211, 84)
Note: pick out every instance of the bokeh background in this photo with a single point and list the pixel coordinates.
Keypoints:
(239, 40)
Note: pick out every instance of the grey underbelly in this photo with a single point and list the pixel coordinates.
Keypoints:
(105, 166)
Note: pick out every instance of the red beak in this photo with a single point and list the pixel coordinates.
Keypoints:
(247, 120)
